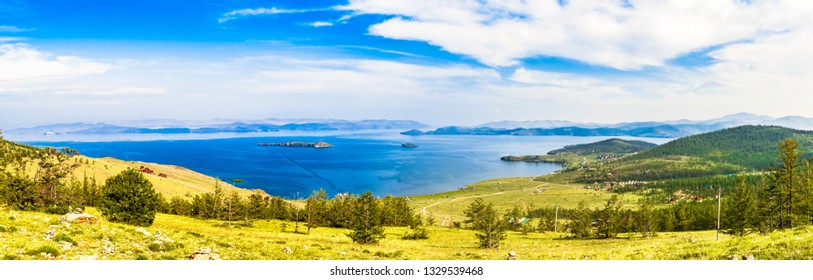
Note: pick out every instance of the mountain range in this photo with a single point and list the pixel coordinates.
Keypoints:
(665, 129)
(179, 127)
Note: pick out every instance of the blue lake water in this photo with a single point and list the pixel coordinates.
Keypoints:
(357, 162)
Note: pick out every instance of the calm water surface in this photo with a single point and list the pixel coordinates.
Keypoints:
(356, 163)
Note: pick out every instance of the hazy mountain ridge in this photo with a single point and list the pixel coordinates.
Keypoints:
(665, 129)
(176, 127)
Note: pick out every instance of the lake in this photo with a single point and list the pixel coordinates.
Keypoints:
(358, 162)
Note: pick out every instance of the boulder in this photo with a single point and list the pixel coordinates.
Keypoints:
(287, 250)
(203, 254)
(512, 256)
(50, 234)
(144, 232)
(81, 218)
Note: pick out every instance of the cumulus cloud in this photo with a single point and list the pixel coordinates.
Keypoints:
(613, 33)
(21, 62)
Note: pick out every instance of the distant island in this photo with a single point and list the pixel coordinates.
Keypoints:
(409, 145)
(318, 145)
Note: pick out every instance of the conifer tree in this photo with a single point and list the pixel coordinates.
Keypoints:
(581, 224)
(366, 219)
(484, 219)
(740, 210)
(129, 198)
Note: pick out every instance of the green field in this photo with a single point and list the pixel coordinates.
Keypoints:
(506, 193)
(22, 234)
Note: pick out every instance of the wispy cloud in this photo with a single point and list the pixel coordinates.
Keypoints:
(320, 24)
(236, 14)
(13, 29)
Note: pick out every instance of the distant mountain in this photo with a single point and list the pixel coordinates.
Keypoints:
(234, 127)
(665, 129)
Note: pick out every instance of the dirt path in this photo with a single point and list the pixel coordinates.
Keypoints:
(424, 212)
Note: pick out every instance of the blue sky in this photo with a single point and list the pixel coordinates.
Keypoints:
(438, 62)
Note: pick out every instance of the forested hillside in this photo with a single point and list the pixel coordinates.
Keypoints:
(752, 147)
(610, 146)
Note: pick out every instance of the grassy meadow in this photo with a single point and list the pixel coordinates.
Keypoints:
(22, 235)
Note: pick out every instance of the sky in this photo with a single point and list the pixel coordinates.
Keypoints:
(440, 62)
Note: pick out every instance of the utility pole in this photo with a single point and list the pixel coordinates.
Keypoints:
(719, 203)
(556, 220)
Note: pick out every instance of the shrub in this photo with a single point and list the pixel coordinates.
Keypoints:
(64, 237)
(43, 249)
(129, 198)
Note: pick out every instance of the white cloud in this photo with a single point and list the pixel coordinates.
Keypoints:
(607, 32)
(21, 62)
(235, 14)
(321, 24)
(12, 29)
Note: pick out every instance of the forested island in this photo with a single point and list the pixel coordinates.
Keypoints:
(318, 145)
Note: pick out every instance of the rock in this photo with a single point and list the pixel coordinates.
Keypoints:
(79, 218)
(144, 231)
(88, 258)
(748, 257)
(287, 250)
(108, 249)
(512, 256)
(65, 245)
(733, 257)
(50, 234)
(161, 238)
(343, 253)
(203, 254)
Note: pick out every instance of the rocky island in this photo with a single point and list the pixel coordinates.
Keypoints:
(318, 145)
(409, 145)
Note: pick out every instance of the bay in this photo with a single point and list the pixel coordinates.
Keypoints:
(357, 162)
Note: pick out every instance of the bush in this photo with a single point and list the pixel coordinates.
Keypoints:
(129, 198)
(43, 249)
(64, 237)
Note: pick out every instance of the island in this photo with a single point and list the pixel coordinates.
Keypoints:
(409, 145)
(318, 145)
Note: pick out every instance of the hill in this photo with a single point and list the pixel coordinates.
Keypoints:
(169, 180)
(750, 146)
(582, 155)
(613, 146)
(727, 151)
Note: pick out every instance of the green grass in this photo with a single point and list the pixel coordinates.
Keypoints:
(266, 241)
(509, 192)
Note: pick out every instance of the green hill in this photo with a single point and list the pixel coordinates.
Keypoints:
(752, 147)
(612, 146)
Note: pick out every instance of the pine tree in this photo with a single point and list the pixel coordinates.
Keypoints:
(581, 224)
(609, 218)
(784, 182)
(645, 220)
(366, 219)
(740, 210)
(484, 219)
(129, 198)
(315, 207)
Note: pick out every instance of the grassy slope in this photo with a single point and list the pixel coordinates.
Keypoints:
(179, 182)
(265, 240)
(506, 193)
